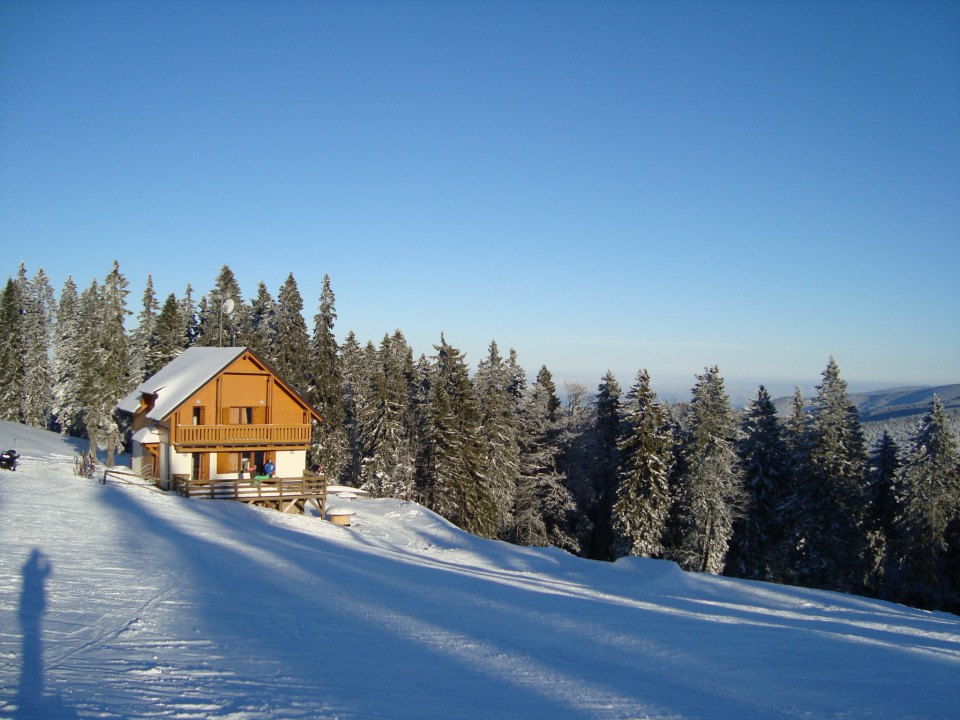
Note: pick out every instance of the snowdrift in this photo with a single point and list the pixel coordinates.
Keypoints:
(121, 601)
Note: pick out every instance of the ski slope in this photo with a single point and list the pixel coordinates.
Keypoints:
(121, 601)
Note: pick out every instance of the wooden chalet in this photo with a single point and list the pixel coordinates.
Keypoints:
(207, 423)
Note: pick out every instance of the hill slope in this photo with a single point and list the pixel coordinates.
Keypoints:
(895, 410)
(119, 601)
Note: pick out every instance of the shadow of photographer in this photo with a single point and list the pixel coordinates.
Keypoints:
(31, 700)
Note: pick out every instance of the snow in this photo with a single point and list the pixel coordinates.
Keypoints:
(121, 601)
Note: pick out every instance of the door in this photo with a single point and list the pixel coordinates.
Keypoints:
(152, 455)
(201, 466)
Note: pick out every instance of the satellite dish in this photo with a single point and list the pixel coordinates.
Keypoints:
(228, 305)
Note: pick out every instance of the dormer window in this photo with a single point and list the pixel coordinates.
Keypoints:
(147, 401)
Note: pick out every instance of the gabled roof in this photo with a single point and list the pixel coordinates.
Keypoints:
(173, 384)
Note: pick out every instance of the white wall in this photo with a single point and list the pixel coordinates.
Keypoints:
(180, 464)
(290, 463)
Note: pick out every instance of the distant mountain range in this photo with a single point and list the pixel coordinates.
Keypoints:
(896, 410)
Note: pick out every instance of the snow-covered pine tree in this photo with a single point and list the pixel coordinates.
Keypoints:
(545, 379)
(833, 544)
(68, 346)
(518, 381)
(261, 335)
(544, 509)
(329, 445)
(711, 493)
(578, 443)
(171, 334)
(642, 496)
(797, 434)
(91, 355)
(757, 533)
(38, 319)
(389, 465)
(218, 325)
(12, 368)
(928, 499)
(360, 374)
(606, 466)
(493, 384)
(188, 318)
(793, 511)
(883, 465)
(420, 405)
(457, 489)
(115, 379)
(143, 339)
(291, 351)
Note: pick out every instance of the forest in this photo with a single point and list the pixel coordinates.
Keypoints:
(799, 499)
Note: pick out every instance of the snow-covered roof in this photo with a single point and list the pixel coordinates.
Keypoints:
(180, 378)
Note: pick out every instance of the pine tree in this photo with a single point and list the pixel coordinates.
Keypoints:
(389, 462)
(330, 447)
(544, 508)
(291, 350)
(143, 339)
(261, 337)
(114, 372)
(883, 465)
(711, 496)
(493, 384)
(68, 358)
(171, 339)
(422, 428)
(38, 316)
(643, 498)
(832, 542)
(607, 466)
(578, 459)
(757, 534)
(545, 379)
(518, 378)
(91, 356)
(456, 488)
(12, 368)
(928, 498)
(795, 517)
(218, 324)
(188, 319)
(359, 369)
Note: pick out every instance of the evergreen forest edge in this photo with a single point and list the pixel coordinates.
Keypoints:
(799, 500)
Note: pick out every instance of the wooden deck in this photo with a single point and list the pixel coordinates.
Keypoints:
(289, 495)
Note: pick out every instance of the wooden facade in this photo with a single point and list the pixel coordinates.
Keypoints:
(220, 414)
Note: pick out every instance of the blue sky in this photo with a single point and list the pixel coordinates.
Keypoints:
(599, 185)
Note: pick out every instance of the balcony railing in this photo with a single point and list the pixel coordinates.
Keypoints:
(197, 436)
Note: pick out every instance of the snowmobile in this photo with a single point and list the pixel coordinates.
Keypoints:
(9, 459)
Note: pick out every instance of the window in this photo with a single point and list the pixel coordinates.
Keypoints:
(228, 462)
(241, 416)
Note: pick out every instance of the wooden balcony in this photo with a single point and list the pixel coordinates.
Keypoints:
(242, 436)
